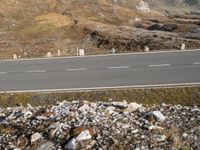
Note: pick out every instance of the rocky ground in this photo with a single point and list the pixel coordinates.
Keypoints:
(100, 125)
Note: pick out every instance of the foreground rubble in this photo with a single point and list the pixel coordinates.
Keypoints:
(100, 125)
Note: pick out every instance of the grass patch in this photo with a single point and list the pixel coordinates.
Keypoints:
(38, 28)
(182, 95)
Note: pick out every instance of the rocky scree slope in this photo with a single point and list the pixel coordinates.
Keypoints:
(100, 125)
(31, 28)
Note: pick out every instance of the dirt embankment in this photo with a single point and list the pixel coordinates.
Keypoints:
(33, 28)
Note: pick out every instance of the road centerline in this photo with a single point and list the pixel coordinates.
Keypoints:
(36, 71)
(76, 69)
(3, 73)
(160, 65)
(196, 63)
(119, 67)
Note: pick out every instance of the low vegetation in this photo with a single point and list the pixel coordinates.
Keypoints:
(183, 95)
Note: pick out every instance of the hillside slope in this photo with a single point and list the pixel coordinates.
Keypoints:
(31, 28)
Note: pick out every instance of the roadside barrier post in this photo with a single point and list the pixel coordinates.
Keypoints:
(14, 56)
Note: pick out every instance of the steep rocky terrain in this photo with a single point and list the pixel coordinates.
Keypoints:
(31, 28)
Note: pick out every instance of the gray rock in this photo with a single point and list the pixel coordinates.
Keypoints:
(84, 135)
(46, 146)
(35, 137)
(120, 105)
(160, 138)
(71, 145)
(155, 115)
(133, 107)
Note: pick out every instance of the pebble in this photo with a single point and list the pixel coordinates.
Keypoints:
(71, 145)
(133, 107)
(84, 135)
(120, 105)
(46, 146)
(35, 137)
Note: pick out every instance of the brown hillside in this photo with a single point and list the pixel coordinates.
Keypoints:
(31, 28)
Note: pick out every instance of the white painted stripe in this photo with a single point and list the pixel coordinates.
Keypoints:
(77, 69)
(119, 67)
(159, 65)
(36, 71)
(105, 88)
(104, 55)
(196, 63)
(3, 73)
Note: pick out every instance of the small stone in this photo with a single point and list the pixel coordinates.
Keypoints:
(84, 135)
(91, 144)
(153, 127)
(154, 116)
(83, 108)
(184, 135)
(134, 131)
(110, 110)
(41, 118)
(160, 138)
(35, 137)
(120, 105)
(71, 145)
(28, 114)
(46, 146)
(133, 107)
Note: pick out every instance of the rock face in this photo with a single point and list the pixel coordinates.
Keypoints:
(100, 125)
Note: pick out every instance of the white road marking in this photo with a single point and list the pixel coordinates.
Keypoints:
(3, 73)
(105, 88)
(196, 63)
(77, 69)
(119, 67)
(159, 65)
(36, 71)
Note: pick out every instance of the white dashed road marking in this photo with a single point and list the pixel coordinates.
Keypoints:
(78, 69)
(196, 63)
(3, 73)
(36, 71)
(160, 65)
(119, 67)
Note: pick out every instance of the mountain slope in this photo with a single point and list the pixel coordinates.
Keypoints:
(31, 28)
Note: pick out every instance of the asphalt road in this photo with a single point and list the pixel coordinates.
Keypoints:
(94, 72)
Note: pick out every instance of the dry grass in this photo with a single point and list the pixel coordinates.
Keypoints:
(183, 96)
(55, 21)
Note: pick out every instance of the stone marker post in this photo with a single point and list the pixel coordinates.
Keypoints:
(81, 52)
(146, 49)
(182, 46)
(14, 56)
(48, 54)
(59, 54)
(113, 50)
